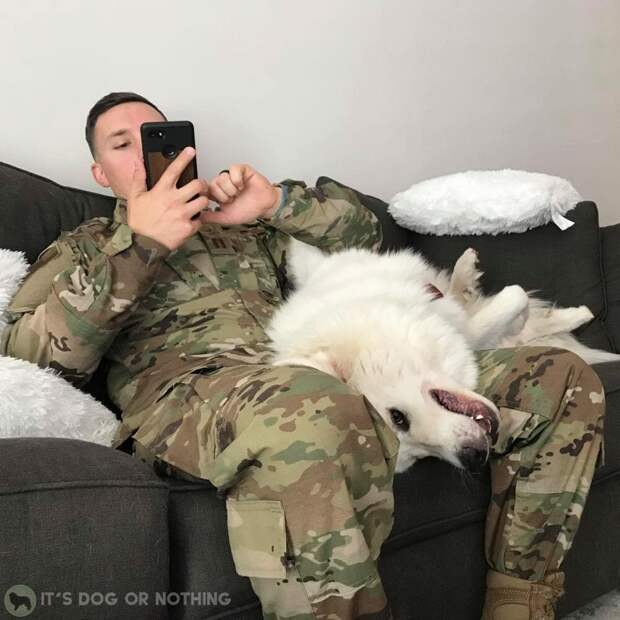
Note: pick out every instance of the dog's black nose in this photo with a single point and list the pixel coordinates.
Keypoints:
(472, 459)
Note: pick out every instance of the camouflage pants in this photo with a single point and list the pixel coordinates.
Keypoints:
(308, 465)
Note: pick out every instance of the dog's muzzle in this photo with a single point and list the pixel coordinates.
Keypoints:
(479, 412)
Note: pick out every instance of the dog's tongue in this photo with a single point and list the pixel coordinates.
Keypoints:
(481, 413)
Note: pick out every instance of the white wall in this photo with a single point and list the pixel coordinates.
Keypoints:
(378, 94)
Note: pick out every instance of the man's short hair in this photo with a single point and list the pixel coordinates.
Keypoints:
(103, 105)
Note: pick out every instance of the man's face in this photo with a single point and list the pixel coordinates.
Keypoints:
(118, 144)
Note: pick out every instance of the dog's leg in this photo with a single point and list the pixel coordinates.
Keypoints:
(504, 313)
(465, 276)
(548, 321)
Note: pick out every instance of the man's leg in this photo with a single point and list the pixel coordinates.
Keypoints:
(551, 422)
(306, 465)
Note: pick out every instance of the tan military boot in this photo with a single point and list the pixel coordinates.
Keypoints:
(510, 598)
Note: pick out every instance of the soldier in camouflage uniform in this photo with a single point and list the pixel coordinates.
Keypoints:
(304, 462)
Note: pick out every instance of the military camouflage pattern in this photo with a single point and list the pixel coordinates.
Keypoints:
(551, 410)
(304, 463)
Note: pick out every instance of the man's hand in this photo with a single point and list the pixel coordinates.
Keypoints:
(164, 213)
(243, 195)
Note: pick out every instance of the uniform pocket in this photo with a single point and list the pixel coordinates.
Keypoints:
(257, 536)
(515, 428)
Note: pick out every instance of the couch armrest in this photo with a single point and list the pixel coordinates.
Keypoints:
(80, 517)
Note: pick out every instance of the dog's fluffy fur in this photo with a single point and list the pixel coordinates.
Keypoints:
(374, 322)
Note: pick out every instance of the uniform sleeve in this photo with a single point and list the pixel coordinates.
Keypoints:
(330, 217)
(77, 297)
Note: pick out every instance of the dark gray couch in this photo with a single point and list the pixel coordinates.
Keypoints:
(77, 517)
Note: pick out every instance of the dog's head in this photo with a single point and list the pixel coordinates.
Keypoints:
(436, 417)
(421, 382)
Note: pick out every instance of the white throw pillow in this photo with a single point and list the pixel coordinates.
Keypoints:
(38, 402)
(484, 202)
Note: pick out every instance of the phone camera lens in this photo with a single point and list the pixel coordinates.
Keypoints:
(169, 151)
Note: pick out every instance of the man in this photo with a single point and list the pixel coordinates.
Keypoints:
(178, 308)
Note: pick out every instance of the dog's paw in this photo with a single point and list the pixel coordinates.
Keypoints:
(465, 276)
(515, 297)
(514, 303)
(584, 314)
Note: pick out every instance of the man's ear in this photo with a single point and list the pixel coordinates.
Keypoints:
(99, 175)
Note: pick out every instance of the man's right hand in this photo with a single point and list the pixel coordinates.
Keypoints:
(164, 212)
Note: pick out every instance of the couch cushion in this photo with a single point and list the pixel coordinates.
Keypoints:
(562, 266)
(35, 210)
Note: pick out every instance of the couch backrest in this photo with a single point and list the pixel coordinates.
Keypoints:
(562, 266)
(34, 210)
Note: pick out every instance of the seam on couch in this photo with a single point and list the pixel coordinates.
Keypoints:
(610, 336)
(420, 532)
(84, 484)
(601, 269)
(603, 276)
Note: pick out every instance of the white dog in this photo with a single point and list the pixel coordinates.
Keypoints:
(403, 333)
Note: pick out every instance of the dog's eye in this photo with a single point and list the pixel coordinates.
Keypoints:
(400, 419)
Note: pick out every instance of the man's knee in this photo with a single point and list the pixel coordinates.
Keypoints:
(583, 383)
(323, 410)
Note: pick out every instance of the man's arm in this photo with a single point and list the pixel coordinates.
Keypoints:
(331, 217)
(77, 297)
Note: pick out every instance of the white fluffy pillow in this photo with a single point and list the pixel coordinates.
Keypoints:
(484, 202)
(37, 402)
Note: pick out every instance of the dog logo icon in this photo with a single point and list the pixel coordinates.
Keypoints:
(20, 600)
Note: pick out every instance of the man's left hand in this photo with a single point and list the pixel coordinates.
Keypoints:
(243, 195)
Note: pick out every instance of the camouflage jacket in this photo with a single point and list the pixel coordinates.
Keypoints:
(105, 292)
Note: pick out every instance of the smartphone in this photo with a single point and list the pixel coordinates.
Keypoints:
(161, 144)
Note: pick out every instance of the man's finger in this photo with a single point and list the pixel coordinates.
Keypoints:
(172, 173)
(189, 190)
(236, 176)
(138, 179)
(196, 205)
(225, 183)
(218, 194)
